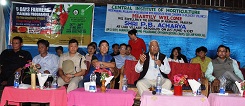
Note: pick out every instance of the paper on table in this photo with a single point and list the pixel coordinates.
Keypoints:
(194, 85)
(239, 87)
(167, 92)
(108, 80)
(42, 79)
(24, 86)
(86, 86)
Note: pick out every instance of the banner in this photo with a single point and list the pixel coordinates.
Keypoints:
(157, 20)
(55, 22)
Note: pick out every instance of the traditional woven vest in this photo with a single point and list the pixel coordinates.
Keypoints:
(220, 66)
(146, 65)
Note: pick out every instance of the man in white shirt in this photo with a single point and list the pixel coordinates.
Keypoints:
(149, 66)
(47, 62)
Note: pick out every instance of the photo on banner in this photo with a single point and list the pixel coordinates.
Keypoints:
(55, 22)
(161, 21)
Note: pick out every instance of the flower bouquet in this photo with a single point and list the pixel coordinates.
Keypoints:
(33, 69)
(243, 88)
(179, 80)
(106, 77)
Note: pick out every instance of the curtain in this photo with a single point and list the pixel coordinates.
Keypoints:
(2, 30)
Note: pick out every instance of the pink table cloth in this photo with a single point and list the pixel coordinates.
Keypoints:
(226, 100)
(112, 97)
(147, 99)
(14, 96)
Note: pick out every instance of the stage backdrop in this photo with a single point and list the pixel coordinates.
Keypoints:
(223, 28)
(55, 22)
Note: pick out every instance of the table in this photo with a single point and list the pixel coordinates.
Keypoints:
(112, 97)
(226, 100)
(55, 97)
(147, 99)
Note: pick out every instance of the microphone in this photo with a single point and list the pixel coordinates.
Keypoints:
(155, 58)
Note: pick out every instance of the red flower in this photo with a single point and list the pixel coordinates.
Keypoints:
(180, 79)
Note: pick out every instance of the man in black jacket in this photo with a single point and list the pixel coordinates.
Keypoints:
(13, 60)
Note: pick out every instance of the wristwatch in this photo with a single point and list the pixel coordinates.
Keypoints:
(72, 75)
(101, 64)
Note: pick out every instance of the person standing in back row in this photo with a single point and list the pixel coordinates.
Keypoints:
(137, 44)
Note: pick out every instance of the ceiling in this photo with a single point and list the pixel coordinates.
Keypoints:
(237, 6)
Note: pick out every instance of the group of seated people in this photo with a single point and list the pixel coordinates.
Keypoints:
(214, 69)
(72, 67)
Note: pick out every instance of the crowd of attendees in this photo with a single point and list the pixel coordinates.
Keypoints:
(74, 68)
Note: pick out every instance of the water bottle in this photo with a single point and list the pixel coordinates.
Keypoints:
(54, 83)
(222, 85)
(125, 84)
(158, 84)
(92, 85)
(16, 80)
(199, 90)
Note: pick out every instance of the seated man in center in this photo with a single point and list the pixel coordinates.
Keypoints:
(77, 67)
(149, 66)
(100, 60)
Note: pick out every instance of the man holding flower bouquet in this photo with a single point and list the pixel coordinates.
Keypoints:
(149, 66)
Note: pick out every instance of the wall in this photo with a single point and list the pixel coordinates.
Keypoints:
(223, 28)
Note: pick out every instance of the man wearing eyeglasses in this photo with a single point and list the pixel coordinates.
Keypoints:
(149, 66)
(223, 67)
(120, 60)
(13, 60)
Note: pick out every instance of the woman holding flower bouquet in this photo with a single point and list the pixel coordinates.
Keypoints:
(100, 61)
(149, 66)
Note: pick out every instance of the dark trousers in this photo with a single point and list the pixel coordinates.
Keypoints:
(231, 78)
(10, 79)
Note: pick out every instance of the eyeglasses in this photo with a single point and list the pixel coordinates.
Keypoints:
(122, 48)
(154, 47)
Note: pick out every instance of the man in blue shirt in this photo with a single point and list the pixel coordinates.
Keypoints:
(120, 59)
(48, 62)
(100, 60)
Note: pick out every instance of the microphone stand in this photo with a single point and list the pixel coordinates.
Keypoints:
(155, 58)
